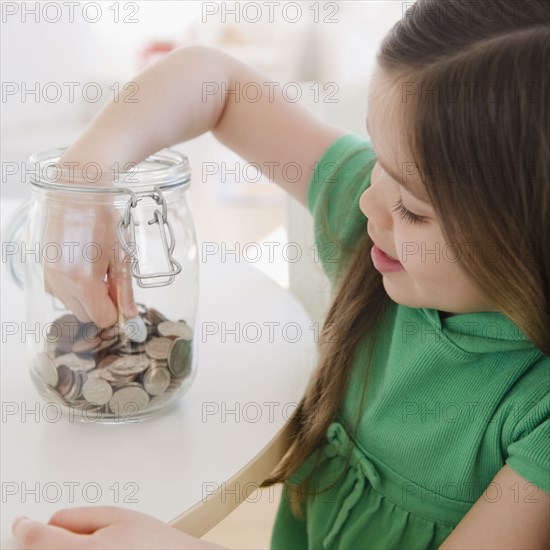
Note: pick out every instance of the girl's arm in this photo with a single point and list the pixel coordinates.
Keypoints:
(196, 89)
(512, 513)
(192, 90)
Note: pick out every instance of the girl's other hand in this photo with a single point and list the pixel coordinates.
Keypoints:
(102, 527)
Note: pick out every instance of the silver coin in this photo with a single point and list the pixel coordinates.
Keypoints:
(65, 331)
(128, 400)
(75, 362)
(159, 363)
(87, 345)
(106, 374)
(96, 373)
(114, 378)
(46, 368)
(106, 344)
(129, 364)
(158, 348)
(154, 316)
(106, 361)
(88, 338)
(180, 329)
(79, 379)
(135, 329)
(97, 391)
(135, 384)
(155, 381)
(123, 381)
(129, 348)
(179, 358)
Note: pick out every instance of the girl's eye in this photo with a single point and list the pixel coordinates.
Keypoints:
(407, 215)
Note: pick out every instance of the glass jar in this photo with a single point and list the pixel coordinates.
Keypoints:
(137, 367)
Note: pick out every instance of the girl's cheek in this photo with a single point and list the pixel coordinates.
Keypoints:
(407, 245)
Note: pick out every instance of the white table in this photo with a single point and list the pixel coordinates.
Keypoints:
(164, 465)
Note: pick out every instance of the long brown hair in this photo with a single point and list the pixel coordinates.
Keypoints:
(505, 123)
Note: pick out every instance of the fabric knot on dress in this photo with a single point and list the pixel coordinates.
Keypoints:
(339, 443)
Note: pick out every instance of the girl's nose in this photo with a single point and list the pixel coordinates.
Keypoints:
(372, 204)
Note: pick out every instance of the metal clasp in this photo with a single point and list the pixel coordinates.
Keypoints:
(160, 218)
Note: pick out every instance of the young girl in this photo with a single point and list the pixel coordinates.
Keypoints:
(426, 423)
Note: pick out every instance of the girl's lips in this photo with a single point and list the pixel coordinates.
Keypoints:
(383, 262)
(391, 257)
(385, 253)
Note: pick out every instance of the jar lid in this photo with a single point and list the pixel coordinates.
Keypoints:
(165, 169)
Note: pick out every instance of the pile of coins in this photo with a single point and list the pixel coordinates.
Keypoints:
(116, 371)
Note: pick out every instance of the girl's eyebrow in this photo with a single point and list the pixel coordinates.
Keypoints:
(394, 175)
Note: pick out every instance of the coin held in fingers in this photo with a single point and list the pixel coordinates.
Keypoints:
(135, 329)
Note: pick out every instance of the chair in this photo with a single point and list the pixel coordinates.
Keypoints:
(205, 515)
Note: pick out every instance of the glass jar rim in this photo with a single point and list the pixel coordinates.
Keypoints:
(174, 171)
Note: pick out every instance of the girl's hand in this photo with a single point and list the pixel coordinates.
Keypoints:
(78, 279)
(102, 527)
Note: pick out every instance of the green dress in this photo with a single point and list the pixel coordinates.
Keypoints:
(449, 402)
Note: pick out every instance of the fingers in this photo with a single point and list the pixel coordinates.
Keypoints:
(119, 279)
(81, 287)
(77, 308)
(88, 519)
(98, 304)
(88, 300)
(70, 302)
(32, 534)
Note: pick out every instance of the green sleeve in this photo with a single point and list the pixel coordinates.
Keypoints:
(337, 182)
(529, 454)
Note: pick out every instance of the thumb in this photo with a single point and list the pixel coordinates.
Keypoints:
(119, 278)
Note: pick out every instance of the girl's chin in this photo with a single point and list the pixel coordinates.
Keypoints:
(400, 293)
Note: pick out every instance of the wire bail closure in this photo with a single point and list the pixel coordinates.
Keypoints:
(158, 217)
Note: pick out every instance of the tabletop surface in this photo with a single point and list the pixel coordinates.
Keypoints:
(243, 393)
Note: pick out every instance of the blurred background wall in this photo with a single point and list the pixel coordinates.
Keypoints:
(49, 45)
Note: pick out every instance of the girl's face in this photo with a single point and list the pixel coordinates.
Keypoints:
(402, 222)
